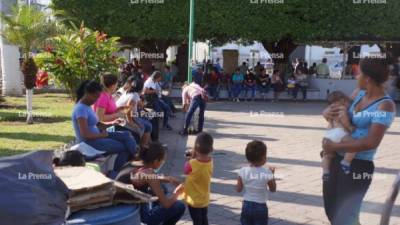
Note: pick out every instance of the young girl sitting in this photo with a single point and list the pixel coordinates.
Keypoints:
(197, 185)
(338, 131)
(168, 210)
(254, 180)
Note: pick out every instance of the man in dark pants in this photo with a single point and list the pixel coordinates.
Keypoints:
(193, 97)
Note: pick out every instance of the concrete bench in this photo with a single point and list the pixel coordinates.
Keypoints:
(312, 94)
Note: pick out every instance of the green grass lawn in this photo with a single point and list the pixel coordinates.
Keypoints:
(51, 129)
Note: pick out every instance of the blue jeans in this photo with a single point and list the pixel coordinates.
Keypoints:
(263, 89)
(145, 123)
(250, 87)
(160, 106)
(303, 90)
(157, 214)
(213, 91)
(254, 213)
(196, 102)
(228, 89)
(236, 89)
(121, 143)
(344, 193)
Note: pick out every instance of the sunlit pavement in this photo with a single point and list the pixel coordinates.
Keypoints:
(293, 133)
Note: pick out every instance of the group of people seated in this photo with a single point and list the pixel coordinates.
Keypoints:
(122, 122)
(244, 80)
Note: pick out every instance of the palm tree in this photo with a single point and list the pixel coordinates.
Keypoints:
(28, 28)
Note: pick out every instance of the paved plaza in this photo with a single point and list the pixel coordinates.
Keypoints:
(293, 134)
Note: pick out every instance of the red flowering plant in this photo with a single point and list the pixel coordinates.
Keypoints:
(78, 55)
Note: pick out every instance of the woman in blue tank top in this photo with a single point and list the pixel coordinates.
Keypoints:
(371, 114)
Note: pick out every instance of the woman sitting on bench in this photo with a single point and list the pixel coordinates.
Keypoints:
(107, 111)
(130, 97)
(88, 129)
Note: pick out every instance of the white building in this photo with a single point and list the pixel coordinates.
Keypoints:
(11, 75)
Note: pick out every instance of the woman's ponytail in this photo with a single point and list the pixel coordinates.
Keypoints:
(80, 92)
(87, 86)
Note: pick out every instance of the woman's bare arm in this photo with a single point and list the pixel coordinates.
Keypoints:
(371, 141)
(101, 114)
(85, 133)
(165, 201)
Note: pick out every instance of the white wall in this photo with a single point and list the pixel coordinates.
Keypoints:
(11, 74)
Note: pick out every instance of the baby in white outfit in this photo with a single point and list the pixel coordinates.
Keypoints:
(337, 132)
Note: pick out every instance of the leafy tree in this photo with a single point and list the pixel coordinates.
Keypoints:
(280, 27)
(28, 28)
(78, 55)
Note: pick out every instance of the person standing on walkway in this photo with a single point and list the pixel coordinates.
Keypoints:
(255, 180)
(198, 172)
(193, 97)
(371, 114)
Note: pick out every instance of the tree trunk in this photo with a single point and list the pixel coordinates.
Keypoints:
(392, 51)
(29, 69)
(280, 52)
(182, 62)
(151, 51)
(29, 96)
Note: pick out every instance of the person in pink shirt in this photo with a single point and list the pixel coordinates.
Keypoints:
(105, 107)
(193, 97)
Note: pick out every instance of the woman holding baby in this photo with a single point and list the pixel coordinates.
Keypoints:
(369, 114)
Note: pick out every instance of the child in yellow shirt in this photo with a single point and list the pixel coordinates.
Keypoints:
(197, 185)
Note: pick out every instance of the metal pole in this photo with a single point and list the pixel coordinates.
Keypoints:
(210, 51)
(190, 44)
(390, 201)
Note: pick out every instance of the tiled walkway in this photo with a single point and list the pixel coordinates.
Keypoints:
(293, 133)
